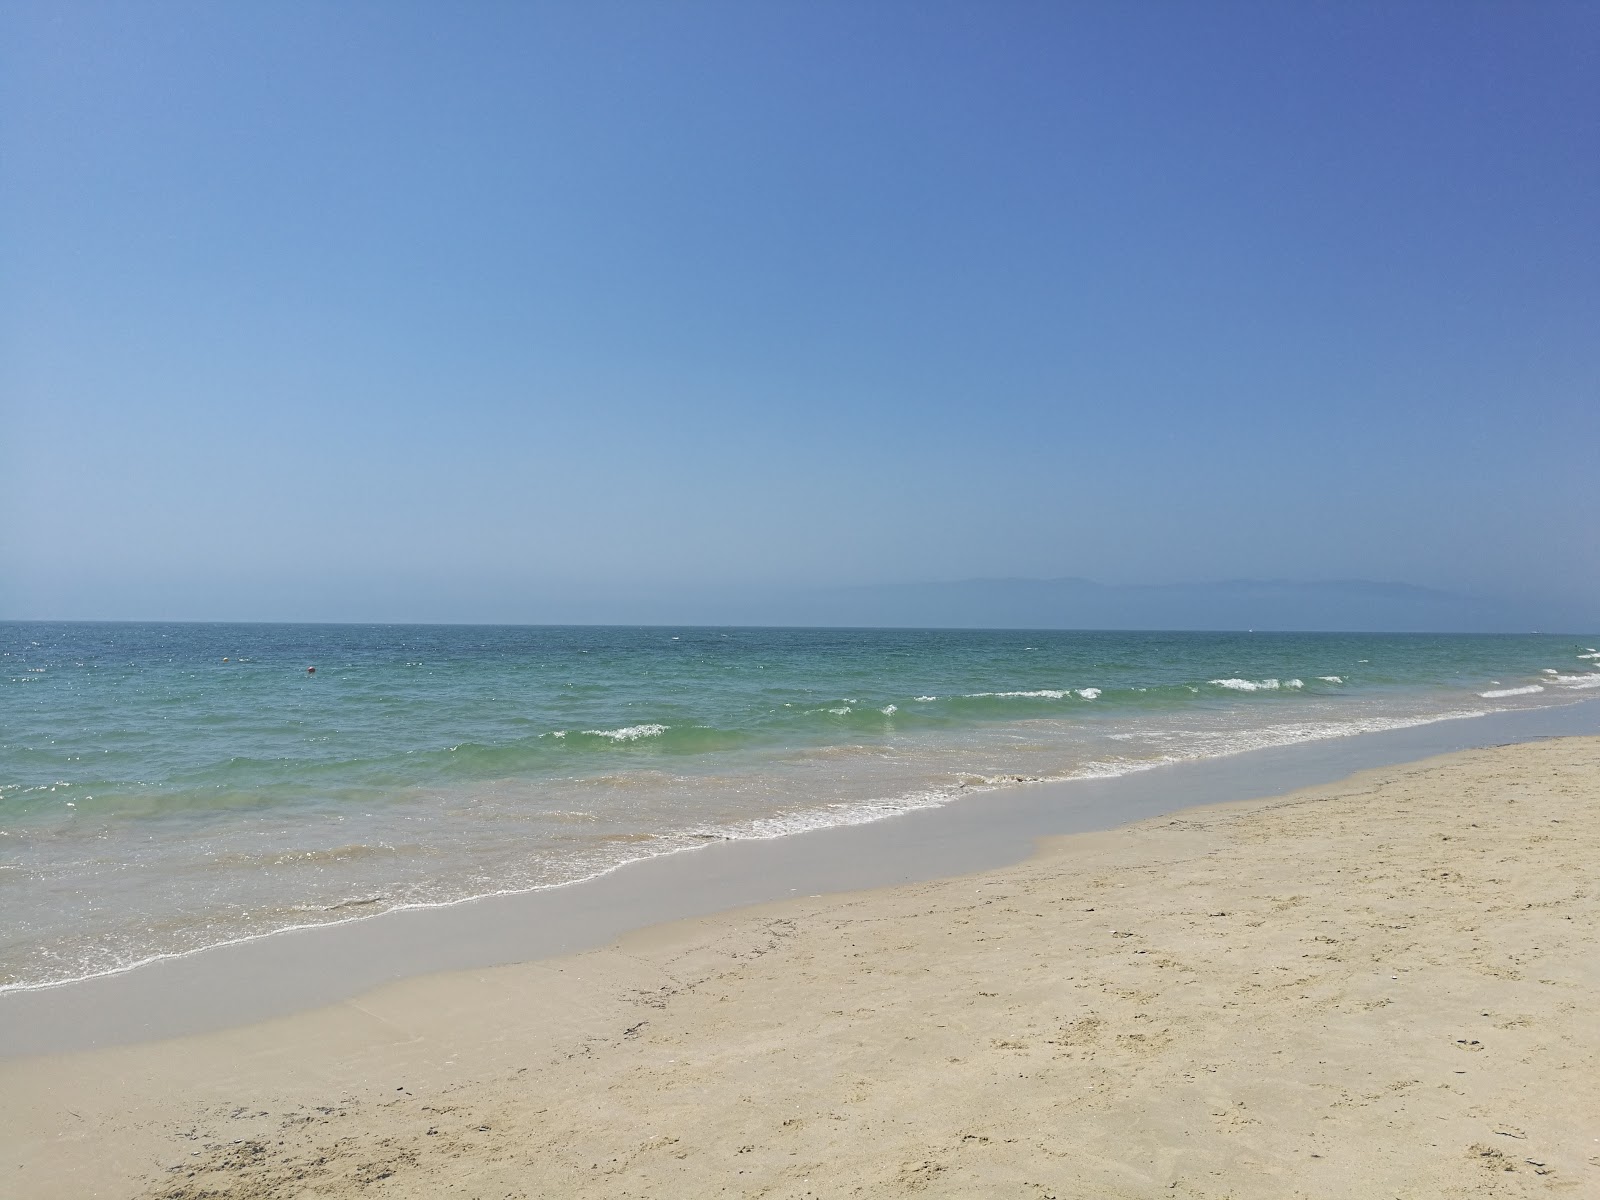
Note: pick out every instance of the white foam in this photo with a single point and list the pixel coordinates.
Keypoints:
(839, 712)
(1089, 693)
(1331, 678)
(1042, 694)
(926, 699)
(780, 825)
(631, 733)
(1219, 746)
(1576, 681)
(1246, 685)
(1497, 693)
(1294, 683)
(889, 710)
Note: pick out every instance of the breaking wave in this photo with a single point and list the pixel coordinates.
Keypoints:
(630, 733)
(1248, 685)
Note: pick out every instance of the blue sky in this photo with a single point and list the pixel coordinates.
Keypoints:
(386, 310)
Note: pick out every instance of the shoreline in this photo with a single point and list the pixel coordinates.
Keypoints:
(425, 771)
(287, 971)
(1378, 986)
(858, 813)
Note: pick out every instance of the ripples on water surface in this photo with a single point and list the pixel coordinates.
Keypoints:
(166, 787)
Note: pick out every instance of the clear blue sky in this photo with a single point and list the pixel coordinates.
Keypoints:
(439, 310)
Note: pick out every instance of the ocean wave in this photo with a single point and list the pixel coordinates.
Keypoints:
(633, 847)
(1219, 746)
(1576, 681)
(629, 733)
(1040, 694)
(632, 751)
(680, 739)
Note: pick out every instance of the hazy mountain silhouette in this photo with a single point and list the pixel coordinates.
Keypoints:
(1340, 605)
(1271, 604)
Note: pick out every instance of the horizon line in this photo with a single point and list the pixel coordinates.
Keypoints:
(848, 628)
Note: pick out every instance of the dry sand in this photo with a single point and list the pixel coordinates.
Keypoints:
(1385, 987)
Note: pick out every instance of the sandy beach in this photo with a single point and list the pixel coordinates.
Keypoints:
(1381, 987)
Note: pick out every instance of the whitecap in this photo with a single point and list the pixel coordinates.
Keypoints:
(1089, 693)
(1246, 685)
(1576, 681)
(1041, 694)
(1497, 693)
(926, 699)
(631, 733)
(889, 710)
(1331, 678)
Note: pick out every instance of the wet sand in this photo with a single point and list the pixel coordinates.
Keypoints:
(245, 982)
(1380, 987)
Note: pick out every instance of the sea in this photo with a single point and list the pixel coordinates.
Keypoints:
(169, 787)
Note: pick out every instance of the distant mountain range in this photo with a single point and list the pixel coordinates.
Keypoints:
(1270, 604)
(1340, 605)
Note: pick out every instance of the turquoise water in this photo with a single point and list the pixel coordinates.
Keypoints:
(167, 787)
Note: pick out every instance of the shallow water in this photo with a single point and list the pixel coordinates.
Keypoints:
(167, 787)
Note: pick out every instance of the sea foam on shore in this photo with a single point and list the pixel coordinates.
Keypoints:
(1376, 987)
(171, 787)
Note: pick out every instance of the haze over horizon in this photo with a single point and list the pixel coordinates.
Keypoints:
(401, 312)
(1330, 606)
